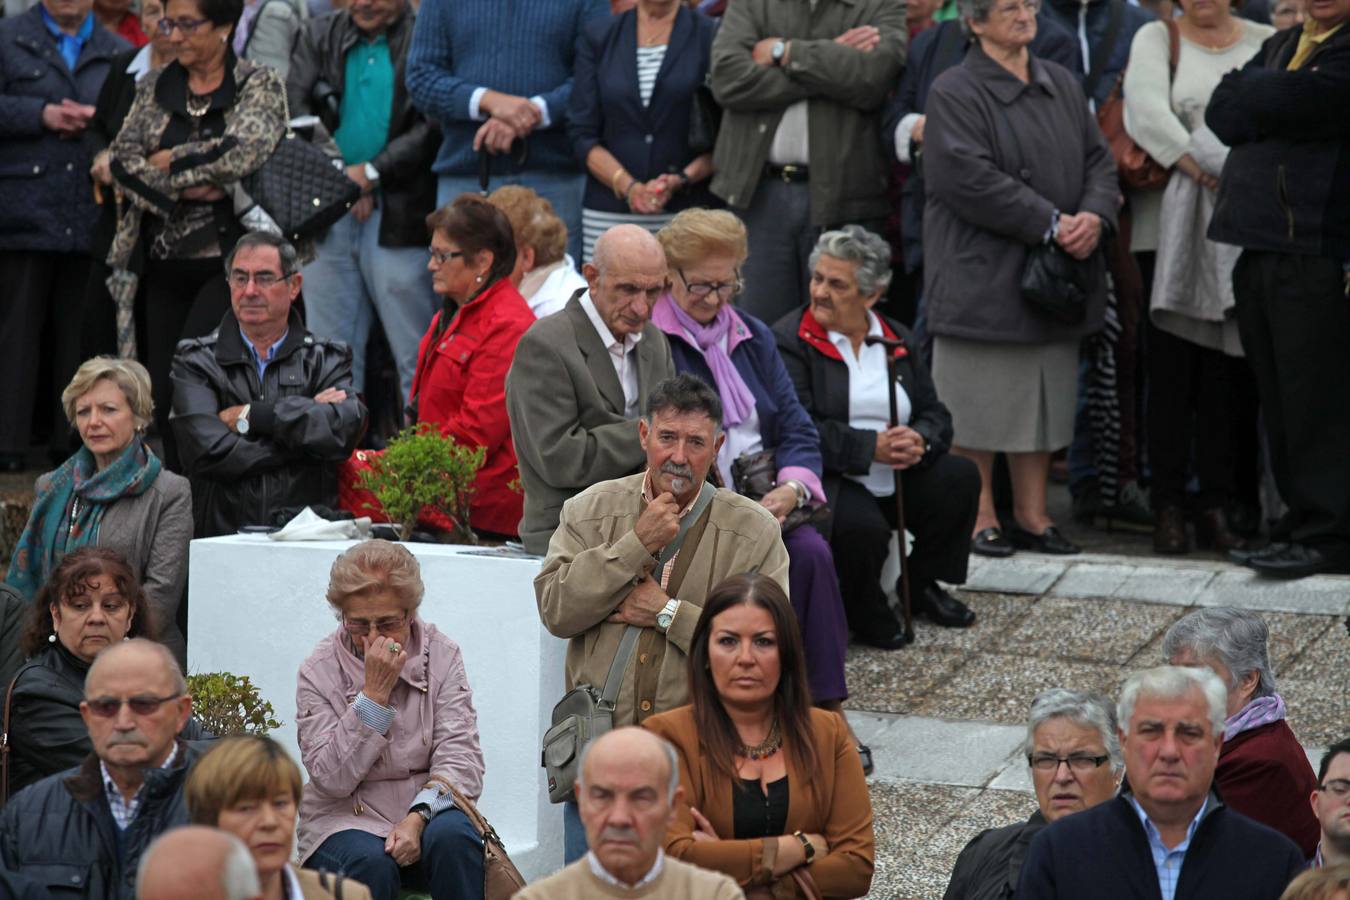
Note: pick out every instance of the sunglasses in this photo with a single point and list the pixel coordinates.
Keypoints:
(107, 707)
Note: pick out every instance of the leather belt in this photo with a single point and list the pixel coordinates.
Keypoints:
(789, 174)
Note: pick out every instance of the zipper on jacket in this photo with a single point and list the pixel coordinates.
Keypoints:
(1282, 195)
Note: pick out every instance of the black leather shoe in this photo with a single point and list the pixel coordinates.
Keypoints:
(865, 754)
(1048, 541)
(1244, 556)
(941, 608)
(992, 542)
(883, 641)
(1169, 531)
(1294, 561)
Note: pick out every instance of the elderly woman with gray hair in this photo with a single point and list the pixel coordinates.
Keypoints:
(1073, 750)
(1263, 772)
(1013, 159)
(843, 382)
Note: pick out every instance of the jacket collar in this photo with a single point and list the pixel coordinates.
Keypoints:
(415, 670)
(1004, 85)
(86, 784)
(30, 32)
(1213, 803)
(663, 317)
(681, 32)
(171, 90)
(592, 348)
(815, 336)
(395, 34)
(230, 346)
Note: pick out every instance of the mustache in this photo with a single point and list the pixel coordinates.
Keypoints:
(677, 471)
(618, 833)
(132, 738)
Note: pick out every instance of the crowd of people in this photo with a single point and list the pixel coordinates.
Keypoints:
(736, 298)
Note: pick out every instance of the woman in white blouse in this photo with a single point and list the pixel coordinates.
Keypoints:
(1201, 392)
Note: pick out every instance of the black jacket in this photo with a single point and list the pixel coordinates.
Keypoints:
(821, 380)
(1103, 853)
(314, 86)
(291, 453)
(989, 866)
(60, 833)
(46, 733)
(1090, 23)
(1285, 184)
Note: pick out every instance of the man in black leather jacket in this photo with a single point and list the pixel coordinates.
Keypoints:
(374, 258)
(263, 410)
(81, 833)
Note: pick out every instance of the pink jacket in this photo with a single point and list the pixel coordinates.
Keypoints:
(361, 779)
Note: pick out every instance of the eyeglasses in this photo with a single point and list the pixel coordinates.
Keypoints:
(1337, 787)
(1046, 762)
(141, 705)
(361, 627)
(444, 256)
(187, 26)
(264, 280)
(723, 289)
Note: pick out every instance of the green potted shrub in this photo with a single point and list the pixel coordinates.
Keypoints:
(423, 468)
(227, 704)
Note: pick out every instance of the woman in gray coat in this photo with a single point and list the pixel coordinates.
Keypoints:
(1012, 158)
(113, 493)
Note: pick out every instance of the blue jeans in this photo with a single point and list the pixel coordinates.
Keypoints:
(450, 868)
(353, 279)
(574, 833)
(564, 190)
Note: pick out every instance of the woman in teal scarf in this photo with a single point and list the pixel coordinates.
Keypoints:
(113, 492)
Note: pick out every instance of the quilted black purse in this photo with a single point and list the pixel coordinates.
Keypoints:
(1055, 284)
(301, 188)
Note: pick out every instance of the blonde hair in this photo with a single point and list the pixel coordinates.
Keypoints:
(534, 221)
(697, 233)
(127, 374)
(1331, 883)
(375, 566)
(243, 767)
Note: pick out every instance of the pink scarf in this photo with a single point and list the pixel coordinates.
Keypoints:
(737, 399)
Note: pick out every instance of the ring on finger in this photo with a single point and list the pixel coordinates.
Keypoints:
(393, 646)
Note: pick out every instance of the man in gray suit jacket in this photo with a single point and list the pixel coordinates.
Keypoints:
(576, 383)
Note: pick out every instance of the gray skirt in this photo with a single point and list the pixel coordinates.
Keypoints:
(1012, 398)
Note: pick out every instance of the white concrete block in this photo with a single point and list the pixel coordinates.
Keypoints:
(1021, 574)
(1318, 595)
(935, 751)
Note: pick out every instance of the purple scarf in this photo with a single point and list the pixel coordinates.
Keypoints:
(244, 29)
(1261, 711)
(737, 400)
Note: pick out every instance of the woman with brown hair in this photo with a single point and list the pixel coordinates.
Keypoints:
(773, 788)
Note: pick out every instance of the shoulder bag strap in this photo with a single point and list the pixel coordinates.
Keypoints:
(1104, 50)
(610, 693)
(4, 741)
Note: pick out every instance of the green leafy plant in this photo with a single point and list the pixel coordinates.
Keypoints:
(421, 468)
(226, 704)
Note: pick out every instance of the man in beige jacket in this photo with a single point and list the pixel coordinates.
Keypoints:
(602, 574)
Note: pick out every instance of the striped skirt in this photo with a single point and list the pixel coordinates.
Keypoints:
(595, 223)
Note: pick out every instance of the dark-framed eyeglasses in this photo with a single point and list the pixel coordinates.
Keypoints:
(141, 704)
(1337, 787)
(723, 289)
(385, 626)
(187, 26)
(264, 280)
(1078, 762)
(444, 256)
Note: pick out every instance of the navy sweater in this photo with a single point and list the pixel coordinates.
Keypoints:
(1102, 853)
(521, 47)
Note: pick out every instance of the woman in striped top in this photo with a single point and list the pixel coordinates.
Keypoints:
(631, 101)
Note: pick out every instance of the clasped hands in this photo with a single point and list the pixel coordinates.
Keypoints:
(899, 447)
(509, 117)
(1079, 233)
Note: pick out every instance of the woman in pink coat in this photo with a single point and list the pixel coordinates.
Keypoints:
(387, 724)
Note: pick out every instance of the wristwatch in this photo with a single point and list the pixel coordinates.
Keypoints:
(667, 615)
(807, 846)
(372, 174)
(241, 423)
(777, 51)
(424, 811)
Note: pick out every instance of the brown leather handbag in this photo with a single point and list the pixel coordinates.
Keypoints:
(1137, 170)
(501, 878)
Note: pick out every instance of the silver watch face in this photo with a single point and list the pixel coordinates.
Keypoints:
(664, 619)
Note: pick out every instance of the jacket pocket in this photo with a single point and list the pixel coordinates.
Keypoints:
(59, 878)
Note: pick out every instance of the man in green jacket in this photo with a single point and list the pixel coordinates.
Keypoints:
(798, 151)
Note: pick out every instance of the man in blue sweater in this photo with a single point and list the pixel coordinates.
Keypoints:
(497, 76)
(1168, 834)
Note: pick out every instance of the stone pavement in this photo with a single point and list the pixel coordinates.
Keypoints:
(945, 717)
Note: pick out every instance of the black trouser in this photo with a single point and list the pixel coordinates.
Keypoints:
(181, 298)
(1294, 319)
(941, 502)
(41, 290)
(1201, 398)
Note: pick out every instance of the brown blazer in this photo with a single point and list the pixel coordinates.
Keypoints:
(836, 804)
(312, 886)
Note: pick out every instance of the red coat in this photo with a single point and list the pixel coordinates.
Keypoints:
(460, 386)
(1265, 775)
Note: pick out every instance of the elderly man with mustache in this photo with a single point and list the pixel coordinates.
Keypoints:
(84, 830)
(644, 551)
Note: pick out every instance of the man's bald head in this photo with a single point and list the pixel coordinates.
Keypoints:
(637, 746)
(153, 653)
(626, 276)
(198, 862)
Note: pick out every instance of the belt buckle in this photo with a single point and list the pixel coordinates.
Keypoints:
(786, 173)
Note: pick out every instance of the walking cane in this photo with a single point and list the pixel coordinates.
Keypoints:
(891, 346)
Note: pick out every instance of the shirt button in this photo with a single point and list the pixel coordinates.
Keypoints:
(642, 658)
(648, 138)
(646, 705)
(37, 169)
(763, 128)
(70, 167)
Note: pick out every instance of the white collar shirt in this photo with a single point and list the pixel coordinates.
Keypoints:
(868, 406)
(621, 355)
(602, 873)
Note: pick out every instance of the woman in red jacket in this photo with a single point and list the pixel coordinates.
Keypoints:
(460, 384)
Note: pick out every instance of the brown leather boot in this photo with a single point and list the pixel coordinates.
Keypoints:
(1212, 532)
(1169, 531)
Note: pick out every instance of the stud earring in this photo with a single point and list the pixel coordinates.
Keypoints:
(479, 279)
(51, 638)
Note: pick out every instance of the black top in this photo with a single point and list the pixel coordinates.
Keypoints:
(757, 814)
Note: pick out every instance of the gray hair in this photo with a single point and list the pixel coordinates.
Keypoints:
(239, 875)
(667, 749)
(686, 393)
(1090, 710)
(1171, 683)
(1235, 637)
(290, 259)
(238, 871)
(857, 245)
(973, 11)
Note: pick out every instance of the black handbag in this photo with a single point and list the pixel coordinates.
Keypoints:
(1055, 284)
(755, 474)
(302, 188)
(705, 118)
